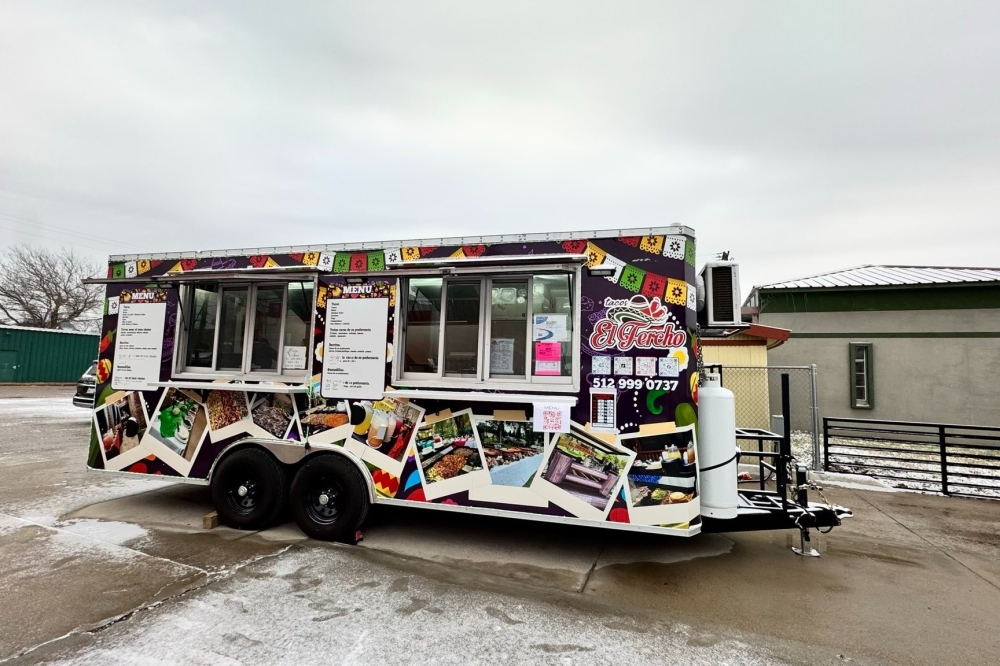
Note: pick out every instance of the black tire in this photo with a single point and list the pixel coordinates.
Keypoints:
(329, 498)
(249, 490)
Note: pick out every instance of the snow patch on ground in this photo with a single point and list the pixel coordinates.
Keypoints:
(47, 510)
(42, 408)
(67, 543)
(75, 536)
(105, 531)
(917, 465)
(42, 549)
(321, 606)
(852, 481)
(802, 447)
(9, 524)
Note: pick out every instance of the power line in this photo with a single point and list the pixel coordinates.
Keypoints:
(73, 244)
(75, 239)
(63, 230)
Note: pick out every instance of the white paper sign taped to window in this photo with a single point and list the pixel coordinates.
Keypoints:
(550, 328)
(293, 358)
(502, 356)
(548, 367)
(354, 348)
(551, 418)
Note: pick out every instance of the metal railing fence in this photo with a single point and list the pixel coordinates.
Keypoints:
(940, 457)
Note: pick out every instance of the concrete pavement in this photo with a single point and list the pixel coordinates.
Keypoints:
(912, 579)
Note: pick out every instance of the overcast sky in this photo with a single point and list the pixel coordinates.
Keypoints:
(803, 136)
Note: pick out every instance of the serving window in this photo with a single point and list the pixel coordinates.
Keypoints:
(502, 328)
(245, 328)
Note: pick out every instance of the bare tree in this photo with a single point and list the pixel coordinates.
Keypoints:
(44, 289)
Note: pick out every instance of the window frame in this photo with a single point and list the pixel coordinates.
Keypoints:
(484, 379)
(486, 374)
(483, 286)
(219, 303)
(869, 401)
(180, 369)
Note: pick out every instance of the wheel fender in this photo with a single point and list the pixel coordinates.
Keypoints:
(230, 448)
(293, 453)
(356, 461)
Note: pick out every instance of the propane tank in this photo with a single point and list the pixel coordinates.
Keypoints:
(717, 449)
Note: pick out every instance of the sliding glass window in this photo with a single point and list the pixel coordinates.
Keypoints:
(504, 328)
(239, 329)
(203, 310)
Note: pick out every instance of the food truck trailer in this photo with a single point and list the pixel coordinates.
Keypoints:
(551, 377)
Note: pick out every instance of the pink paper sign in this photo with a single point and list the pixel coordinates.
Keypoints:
(548, 351)
(548, 358)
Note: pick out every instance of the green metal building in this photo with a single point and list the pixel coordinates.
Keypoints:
(41, 355)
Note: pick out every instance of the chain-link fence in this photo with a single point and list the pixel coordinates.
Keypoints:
(757, 391)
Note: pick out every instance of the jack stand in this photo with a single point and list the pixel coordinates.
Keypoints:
(805, 548)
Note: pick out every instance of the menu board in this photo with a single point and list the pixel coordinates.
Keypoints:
(354, 348)
(138, 344)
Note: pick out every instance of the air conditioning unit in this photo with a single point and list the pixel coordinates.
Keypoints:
(719, 298)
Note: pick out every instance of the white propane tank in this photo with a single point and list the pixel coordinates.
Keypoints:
(717, 449)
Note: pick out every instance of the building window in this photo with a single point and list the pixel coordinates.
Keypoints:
(465, 330)
(242, 329)
(862, 380)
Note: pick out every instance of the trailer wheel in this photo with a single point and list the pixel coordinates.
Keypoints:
(329, 498)
(249, 490)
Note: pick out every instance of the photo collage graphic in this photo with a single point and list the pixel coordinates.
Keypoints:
(636, 374)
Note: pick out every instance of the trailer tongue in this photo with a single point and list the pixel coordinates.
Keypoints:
(546, 377)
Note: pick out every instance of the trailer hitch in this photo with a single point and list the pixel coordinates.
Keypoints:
(807, 518)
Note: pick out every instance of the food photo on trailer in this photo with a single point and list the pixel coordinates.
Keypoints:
(547, 377)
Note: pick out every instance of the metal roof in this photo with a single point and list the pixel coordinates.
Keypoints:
(889, 276)
(14, 327)
(772, 335)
